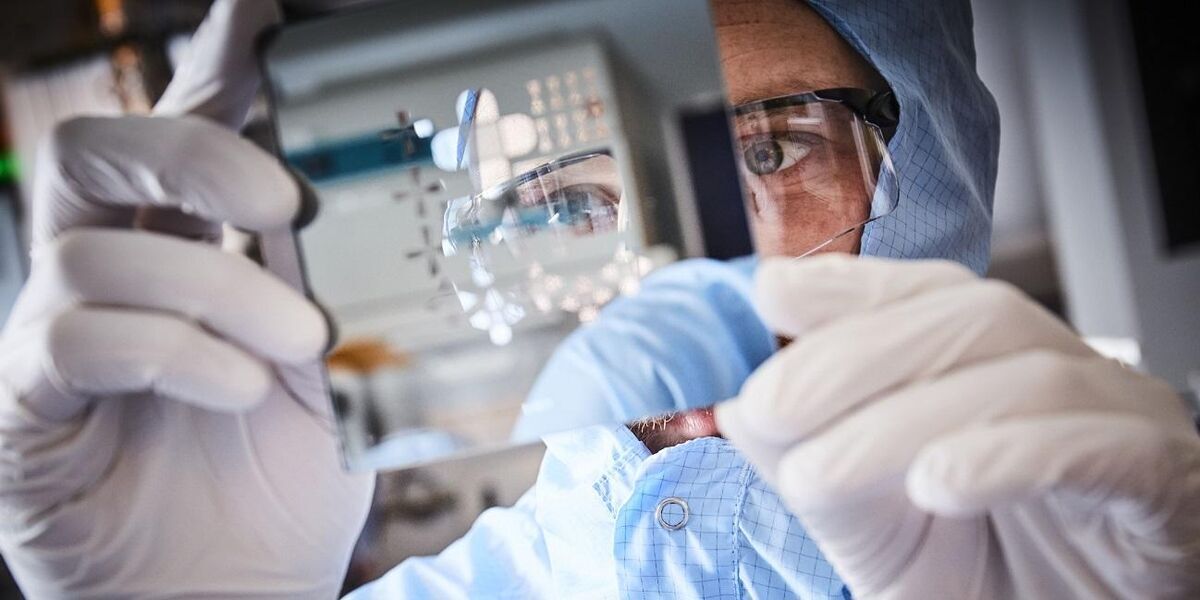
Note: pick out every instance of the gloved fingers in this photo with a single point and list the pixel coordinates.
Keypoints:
(98, 170)
(837, 367)
(1129, 465)
(224, 292)
(795, 296)
(1128, 484)
(106, 351)
(877, 444)
(763, 452)
(219, 77)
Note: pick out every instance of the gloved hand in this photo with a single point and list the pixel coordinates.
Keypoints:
(163, 426)
(943, 437)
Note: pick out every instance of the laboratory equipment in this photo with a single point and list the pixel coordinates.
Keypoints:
(487, 179)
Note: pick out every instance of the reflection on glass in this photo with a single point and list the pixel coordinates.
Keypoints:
(579, 194)
(535, 216)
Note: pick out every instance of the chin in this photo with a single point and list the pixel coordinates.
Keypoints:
(675, 428)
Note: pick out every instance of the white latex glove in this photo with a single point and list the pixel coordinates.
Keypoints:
(941, 436)
(163, 427)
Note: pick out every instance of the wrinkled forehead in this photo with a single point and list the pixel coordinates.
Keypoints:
(777, 47)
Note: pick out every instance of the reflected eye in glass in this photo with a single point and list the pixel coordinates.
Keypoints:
(764, 155)
(583, 207)
(580, 193)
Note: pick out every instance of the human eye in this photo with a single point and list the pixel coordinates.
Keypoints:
(775, 152)
(585, 207)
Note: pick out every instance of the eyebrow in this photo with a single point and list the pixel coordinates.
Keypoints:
(789, 81)
(803, 82)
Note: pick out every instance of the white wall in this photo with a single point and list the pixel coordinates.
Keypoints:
(1021, 246)
(1074, 142)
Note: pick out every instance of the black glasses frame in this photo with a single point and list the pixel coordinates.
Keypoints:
(880, 109)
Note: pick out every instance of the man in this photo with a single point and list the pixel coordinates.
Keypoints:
(937, 436)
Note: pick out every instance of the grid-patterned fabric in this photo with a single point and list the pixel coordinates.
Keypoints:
(588, 529)
(738, 540)
(946, 146)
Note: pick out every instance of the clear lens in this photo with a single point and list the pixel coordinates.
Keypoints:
(814, 172)
(552, 239)
(577, 195)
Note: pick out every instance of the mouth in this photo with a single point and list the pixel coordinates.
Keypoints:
(675, 428)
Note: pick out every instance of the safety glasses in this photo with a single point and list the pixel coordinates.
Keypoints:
(816, 167)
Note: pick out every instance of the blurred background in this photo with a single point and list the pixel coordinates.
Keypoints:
(1096, 213)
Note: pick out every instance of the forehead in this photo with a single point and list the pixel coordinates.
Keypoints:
(779, 47)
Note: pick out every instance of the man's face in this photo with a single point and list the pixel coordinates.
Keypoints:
(775, 48)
